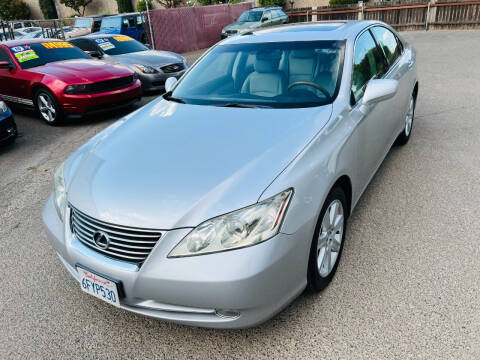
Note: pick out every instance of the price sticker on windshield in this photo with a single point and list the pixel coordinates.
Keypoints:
(24, 53)
(123, 38)
(57, 45)
(104, 44)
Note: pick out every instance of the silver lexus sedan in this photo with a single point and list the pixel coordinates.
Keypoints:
(219, 203)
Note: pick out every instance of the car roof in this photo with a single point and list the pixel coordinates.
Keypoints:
(263, 8)
(124, 14)
(97, 35)
(20, 42)
(308, 31)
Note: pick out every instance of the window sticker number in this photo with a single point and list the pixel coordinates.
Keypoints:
(105, 44)
(24, 53)
(123, 38)
(57, 45)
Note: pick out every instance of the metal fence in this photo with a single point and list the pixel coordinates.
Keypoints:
(51, 29)
(403, 15)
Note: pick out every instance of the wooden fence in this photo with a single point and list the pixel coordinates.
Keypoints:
(402, 15)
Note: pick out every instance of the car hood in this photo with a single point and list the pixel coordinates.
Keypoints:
(83, 70)
(150, 57)
(171, 165)
(241, 26)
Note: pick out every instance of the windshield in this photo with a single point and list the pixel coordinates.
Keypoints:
(83, 23)
(40, 54)
(250, 16)
(117, 45)
(277, 75)
(111, 23)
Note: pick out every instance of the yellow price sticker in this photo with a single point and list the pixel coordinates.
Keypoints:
(122, 38)
(57, 45)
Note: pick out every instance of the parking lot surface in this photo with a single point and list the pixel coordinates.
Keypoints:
(407, 287)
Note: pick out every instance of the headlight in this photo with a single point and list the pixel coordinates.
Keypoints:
(3, 107)
(76, 89)
(146, 69)
(249, 226)
(60, 191)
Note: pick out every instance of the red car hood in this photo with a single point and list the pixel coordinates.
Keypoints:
(83, 71)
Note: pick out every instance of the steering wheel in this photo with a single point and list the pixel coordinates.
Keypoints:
(310, 83)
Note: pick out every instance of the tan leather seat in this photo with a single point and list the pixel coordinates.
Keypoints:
(266, 80)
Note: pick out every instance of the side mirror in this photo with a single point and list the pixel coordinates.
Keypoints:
(264, 19)
(5, 65)
(170, 83)
(377, 91)
(95, 54)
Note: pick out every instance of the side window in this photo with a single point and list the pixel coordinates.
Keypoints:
(389, 43)
(267, 14)
(85, 45)
(125, 22)
(131, 22)
(4, 56)
(368, 63)
(139, 20)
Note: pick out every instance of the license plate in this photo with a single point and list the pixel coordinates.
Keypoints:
(98, 286)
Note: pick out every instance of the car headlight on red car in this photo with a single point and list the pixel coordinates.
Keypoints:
(245, 227)
(76, 89)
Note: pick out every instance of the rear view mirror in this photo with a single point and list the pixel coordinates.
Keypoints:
(170, 83)
(379, 90)
(95, 54)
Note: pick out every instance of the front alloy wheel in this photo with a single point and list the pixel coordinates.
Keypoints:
(409, 116)
(327, 244)
(48, 107)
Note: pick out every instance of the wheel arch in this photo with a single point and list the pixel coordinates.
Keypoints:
(345, 183)
(415, 91)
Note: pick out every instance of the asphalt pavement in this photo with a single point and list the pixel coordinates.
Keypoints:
(407, 286)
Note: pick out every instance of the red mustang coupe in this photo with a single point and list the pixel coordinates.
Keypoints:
(60, 80)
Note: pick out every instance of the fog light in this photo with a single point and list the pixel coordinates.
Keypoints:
(227, 314)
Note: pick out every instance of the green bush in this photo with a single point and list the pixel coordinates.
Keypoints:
(280, 3)
(124, 6)
(142, 5)
(342, 2)
(48, 9)
(14, 10)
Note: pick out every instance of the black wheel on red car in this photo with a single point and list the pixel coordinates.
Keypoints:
(48, 107)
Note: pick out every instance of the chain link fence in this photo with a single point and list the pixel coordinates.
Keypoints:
(31, 29)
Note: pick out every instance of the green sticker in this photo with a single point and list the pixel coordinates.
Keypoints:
(24, 53)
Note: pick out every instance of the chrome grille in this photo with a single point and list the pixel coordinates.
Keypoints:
(126, 243)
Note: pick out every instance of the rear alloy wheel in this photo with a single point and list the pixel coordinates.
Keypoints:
(327, 244)
(48, 107)
(407, 130)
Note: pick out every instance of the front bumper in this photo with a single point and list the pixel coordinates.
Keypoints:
(8, 128)
(83, 104)
(156, 82)
(233, 289)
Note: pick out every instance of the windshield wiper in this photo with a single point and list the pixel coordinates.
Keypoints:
(237, 105)
(168, 96)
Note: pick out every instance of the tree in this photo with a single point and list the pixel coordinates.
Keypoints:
(14, 10)
(280, 3)
(170, 3)
(48, 9)
(77, 5)
(142, 5)
(124, 6)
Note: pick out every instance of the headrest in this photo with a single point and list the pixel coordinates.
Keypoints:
(302, 54)
(267, 62)
(266, 66)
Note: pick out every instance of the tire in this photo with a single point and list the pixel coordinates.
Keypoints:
(404, 136)
(48, 107)
(327, 236)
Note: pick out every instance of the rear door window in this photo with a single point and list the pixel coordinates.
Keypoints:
(389, 43)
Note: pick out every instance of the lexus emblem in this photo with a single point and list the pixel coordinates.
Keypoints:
(101, 239)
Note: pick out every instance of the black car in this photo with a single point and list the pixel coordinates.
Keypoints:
(8, 128)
